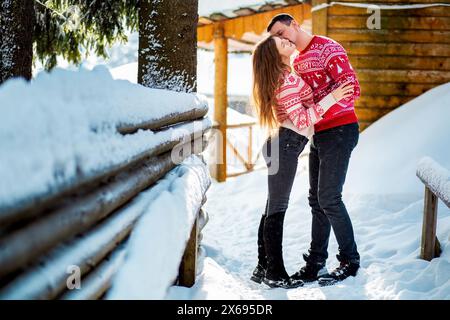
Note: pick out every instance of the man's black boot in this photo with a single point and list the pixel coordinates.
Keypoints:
(345, 270)
(311, 271)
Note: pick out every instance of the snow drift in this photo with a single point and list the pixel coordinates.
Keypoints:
(386, 157)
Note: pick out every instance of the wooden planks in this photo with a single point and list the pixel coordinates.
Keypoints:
(338, 10)
(394, 88)
(392, 22)
(384, 35)
(397, 49)
(428, 242)
(188, 266)
(403, 76)
(408, 55)
(235, 28)
(319, 18)
(396, 62)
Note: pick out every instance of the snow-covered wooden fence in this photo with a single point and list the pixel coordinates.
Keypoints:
(84, 221)
(437, 186)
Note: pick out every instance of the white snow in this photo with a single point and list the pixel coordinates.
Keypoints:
(383, 196)
(387, 155)
(62, 125)
(157, 243)
(437, 177)
(207, 7)
(239, 73)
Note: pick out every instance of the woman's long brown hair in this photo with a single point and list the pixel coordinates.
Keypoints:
(267, 70)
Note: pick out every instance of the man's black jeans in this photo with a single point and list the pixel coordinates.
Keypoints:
(328, 163)
(281, 154)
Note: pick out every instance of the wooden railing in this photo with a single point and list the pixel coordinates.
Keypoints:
(437, 186)
(247, 160)
(86, 222)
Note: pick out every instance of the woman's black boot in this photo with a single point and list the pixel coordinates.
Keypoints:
(260, 270)
(276, 275)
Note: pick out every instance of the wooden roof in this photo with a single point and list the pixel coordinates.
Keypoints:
(245, 26)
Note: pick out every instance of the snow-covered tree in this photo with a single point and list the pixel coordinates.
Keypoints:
(44, 30)
(68, 28)
(16, 40)
(168, 44)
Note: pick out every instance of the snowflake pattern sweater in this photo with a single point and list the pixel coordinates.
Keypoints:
(324, 65)
(295, 103)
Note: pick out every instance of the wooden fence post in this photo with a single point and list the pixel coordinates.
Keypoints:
(430, 245)
(188, 266)
(220, 100)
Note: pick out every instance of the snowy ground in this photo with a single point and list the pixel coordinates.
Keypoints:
(385, 201)
(382, 193)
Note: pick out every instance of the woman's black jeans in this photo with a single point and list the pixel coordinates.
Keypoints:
(281, 154)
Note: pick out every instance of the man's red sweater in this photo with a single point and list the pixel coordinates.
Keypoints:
(324, 65)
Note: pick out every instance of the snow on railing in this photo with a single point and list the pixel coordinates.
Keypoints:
(437, 186)
(74, 170)
(436, 178)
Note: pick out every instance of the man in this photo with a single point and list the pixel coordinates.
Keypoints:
(324, 65)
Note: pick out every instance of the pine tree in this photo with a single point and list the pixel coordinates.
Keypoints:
(168, 44)
(66, 28)
(43, 30)
(70, 27)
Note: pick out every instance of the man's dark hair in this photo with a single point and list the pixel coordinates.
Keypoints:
(283, 18)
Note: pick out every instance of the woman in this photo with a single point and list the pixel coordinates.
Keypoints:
(284, 104)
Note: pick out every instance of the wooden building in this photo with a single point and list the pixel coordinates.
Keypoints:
(408, 55)
(237, 31)
(396, 57)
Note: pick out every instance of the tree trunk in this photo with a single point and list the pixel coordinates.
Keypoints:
(16, 38)
(168, 44)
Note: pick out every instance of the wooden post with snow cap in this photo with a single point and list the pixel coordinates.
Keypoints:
(220, 102)
(437, 186)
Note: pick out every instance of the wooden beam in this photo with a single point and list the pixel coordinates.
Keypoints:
(255, 23)
(393, 35)
(339, 10)
(400, 62)
(403, 76)
(319, 19)
(220, 99)
(428, 244)
(406, 23)
(81, 213)
(397, 49)
(188, 266)
(394, 89)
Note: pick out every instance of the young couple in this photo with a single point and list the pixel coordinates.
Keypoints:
(313, 101)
